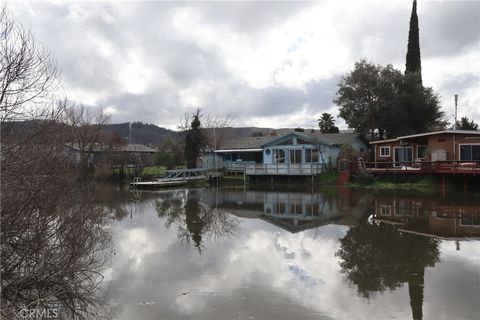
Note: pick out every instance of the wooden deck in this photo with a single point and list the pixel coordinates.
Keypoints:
(283, 169)
(418, 167)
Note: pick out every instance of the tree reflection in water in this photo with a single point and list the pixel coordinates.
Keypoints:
(52, 259)
(378, 257)
(194, 219)
(54, 240)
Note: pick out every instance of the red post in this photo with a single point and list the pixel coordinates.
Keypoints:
(443, 185)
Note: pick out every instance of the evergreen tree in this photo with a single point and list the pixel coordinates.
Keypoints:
(413, 64)
(466, 124)
(381, 100)
(417, 109)
(193, 141)
(367, 98)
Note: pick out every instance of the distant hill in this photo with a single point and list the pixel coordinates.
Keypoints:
(150, 134)
(142, 133)
(153, 135)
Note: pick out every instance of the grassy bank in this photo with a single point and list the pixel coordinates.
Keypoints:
(422, 183)
(155, 171)
(328, 177)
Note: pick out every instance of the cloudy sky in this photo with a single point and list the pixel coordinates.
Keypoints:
(271, 64)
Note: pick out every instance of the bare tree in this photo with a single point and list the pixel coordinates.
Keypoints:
(218, 128)
(53, 240)
(29, 77)
(86, 132)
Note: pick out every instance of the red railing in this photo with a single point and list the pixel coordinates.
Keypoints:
(420, 167)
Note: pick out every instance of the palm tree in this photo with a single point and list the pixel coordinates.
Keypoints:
(327, 123)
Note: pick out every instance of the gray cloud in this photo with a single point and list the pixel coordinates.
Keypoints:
(251, 17)
(450, 27)
(97, 44)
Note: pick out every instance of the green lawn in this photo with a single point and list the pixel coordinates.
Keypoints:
(327, 177)
(146, 171)
(154, 171)
(424, 184)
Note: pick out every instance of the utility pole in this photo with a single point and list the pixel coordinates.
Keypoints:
(130, 133)
(456, 101)
(214, 149)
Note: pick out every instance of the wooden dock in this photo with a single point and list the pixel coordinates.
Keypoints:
(171, 178)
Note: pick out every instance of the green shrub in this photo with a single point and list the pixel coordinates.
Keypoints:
(364, 178)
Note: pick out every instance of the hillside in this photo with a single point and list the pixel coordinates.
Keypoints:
(150, 134)
(142, 133)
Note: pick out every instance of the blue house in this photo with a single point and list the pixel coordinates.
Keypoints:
(290, 153)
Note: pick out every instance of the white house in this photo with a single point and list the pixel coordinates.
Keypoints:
(291, 153)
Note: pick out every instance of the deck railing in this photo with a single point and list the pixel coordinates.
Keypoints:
(298, 169)
(425, 167)
(236, 166)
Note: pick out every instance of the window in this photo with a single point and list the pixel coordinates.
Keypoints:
(385, 210)
(281, 208)
(278, 156)
(295, 156)
(470, 152)
(470, 221)
(421, 152)
(311, 155)
(384, 151)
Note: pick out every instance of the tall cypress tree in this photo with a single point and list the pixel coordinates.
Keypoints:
(413, 64)
(193, 141)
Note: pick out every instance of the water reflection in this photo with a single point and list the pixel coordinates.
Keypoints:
(297, 254)
(53, 255)
(378, 257)
(193, 218)
(431, 217)
(294, 210)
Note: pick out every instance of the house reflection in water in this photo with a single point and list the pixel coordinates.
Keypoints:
(430, 217)
(293, 211)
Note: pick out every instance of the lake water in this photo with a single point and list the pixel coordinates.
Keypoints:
(235, 253)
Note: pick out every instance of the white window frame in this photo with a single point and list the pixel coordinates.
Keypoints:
(385, 210)
(465, 144)
(393, 156)
(389, 151)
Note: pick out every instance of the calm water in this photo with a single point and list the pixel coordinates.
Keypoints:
(293, 254)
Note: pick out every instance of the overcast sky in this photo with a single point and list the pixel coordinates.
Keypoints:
(269, 64)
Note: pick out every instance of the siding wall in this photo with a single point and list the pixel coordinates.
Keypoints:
(443, 141)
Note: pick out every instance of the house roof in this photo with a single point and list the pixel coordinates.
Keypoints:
(469, 132)
(246, 143)
(255, 144)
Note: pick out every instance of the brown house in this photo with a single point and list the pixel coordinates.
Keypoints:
(448, 145)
